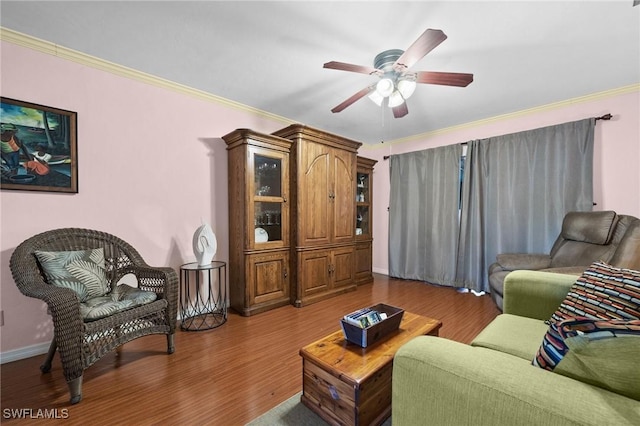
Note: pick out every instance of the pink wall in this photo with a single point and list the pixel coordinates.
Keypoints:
(616, 156)
(151, 165)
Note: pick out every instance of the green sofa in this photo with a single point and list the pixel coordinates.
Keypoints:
(492, 381)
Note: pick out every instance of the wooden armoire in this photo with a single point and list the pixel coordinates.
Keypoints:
(323, 171)
(317, 198)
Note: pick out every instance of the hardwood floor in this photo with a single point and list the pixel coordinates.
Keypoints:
(228, 375)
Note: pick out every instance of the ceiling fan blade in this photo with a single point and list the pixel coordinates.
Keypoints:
(343, 66)
(401, 110)
(444, 78)
(361, 94)
(428, 41)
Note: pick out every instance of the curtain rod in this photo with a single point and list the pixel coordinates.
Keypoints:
(605, 117)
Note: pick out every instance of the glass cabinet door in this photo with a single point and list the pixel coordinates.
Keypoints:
(269, 208)
(363, 204)
(364, 199)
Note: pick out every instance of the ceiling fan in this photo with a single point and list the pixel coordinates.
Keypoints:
(397, 82)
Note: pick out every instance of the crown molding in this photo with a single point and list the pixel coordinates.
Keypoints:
(548, 107)
(53, 49)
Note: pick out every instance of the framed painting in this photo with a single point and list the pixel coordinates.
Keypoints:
(38, 146)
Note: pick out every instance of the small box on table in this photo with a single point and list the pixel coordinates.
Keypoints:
(371, 334)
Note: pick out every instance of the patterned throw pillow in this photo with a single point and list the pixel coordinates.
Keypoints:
(82, 271)
(603, 292)
(603, 353)
(554, 346)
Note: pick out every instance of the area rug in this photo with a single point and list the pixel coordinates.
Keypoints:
(292, 412)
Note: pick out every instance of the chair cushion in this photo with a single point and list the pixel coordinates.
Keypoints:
(603, 353)
(82, 271)
(602, 292)
(123, 297)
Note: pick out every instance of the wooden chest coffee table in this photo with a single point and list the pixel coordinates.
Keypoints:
(346, 384)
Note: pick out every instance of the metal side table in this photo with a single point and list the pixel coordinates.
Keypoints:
(203, 296)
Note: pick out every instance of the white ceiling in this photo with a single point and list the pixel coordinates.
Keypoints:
(269, 55)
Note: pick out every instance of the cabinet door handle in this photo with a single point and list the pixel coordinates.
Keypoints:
(284, 198)
(285, 272)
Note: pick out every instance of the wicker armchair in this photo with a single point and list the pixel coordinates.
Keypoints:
(81, 343)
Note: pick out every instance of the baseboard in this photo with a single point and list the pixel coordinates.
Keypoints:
(380, 271)
(34, 350)
(26, 352)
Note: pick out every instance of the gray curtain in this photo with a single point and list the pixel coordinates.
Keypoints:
(517, 189)
(423, 214)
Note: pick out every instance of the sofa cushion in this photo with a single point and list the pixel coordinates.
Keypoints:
(514, 261)
(573, 253)
(512, 334)
(589, 227)
(602, 292)
(441, 382)
(627, 253)
(122, 298)
(603, 353)
(82, 271)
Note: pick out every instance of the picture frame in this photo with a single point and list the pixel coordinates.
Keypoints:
(39, 147)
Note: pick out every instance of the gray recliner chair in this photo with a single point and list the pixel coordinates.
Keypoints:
(585, 237)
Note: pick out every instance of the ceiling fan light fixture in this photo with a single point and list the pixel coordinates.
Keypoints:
(395, 99)
(385, 87)
(376, 97)
(406, 87)
(384, 60)
(397, 81)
